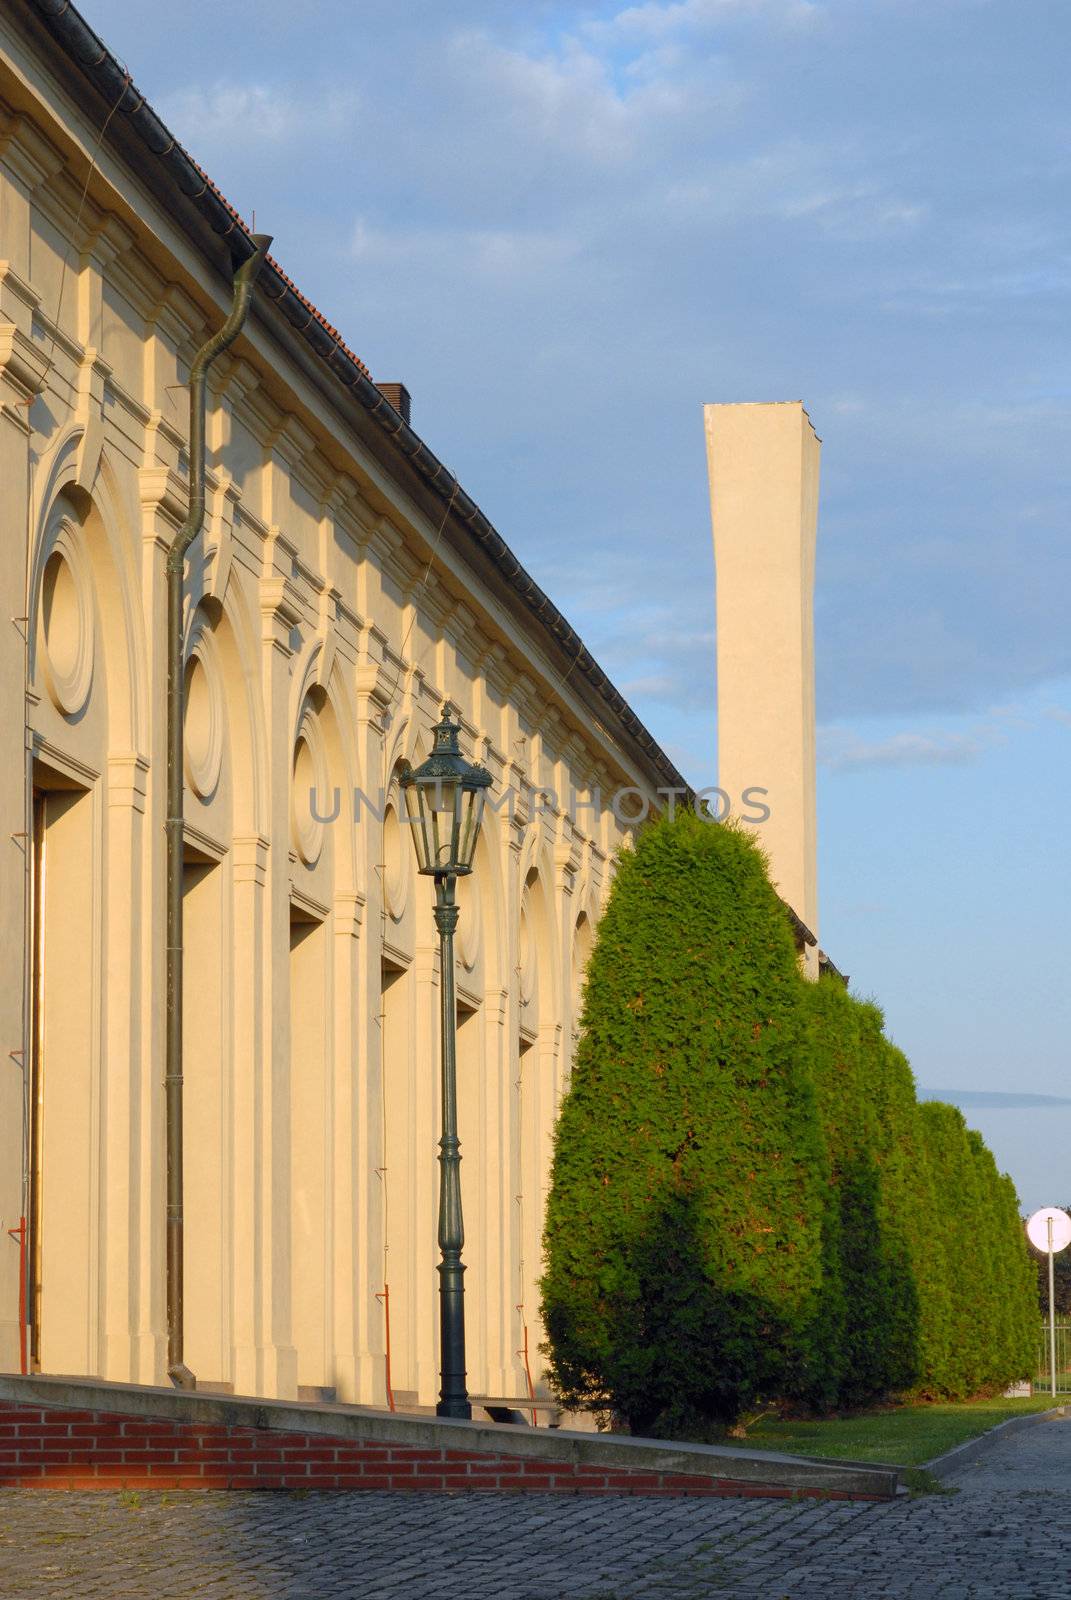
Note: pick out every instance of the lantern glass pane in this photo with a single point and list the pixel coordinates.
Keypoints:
(455, 825)
(464, 831)
(435, 830)
(470, 827)
(418, 827)
(478, 801)
(442, 796)
(440, 793)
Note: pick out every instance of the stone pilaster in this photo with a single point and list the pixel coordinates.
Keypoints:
(272, 1276)
(348, 1334)
(121, 1086)
(28, 161)
(163, 498)
(253, 1290)
(22, 371)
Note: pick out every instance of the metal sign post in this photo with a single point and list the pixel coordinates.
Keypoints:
(1049, 1231)
(1052, 1309)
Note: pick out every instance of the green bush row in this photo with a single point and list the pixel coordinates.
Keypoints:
(747, 1201)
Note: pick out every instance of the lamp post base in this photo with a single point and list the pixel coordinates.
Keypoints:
(458, 1409)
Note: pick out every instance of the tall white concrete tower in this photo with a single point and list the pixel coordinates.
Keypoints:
(763, 463)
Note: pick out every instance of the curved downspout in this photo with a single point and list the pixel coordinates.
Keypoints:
(244, 279)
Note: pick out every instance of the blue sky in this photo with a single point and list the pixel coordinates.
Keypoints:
(567, 226)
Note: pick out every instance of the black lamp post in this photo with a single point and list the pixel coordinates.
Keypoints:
(444, 799)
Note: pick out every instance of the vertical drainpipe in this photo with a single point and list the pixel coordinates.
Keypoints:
(244, 279)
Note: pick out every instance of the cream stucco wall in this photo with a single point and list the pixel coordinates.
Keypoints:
(763, 463)
(326, 622)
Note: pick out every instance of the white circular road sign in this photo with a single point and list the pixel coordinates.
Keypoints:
(1037, 1229)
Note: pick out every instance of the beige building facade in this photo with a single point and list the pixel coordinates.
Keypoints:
(343, 587)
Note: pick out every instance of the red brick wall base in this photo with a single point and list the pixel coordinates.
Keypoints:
(49, 1448)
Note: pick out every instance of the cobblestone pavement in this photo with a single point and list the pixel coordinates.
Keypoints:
(1005, 1536)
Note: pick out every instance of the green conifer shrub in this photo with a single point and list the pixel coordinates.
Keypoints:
(905, 1199)
(975, 1226)
(873, 1350)
(1013, 1346)
(747, 1199)
(684, 1231)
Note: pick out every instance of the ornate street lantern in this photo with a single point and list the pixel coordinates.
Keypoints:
(444, 800)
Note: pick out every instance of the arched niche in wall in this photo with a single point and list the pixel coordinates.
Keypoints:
(68, 713)
(537, 985)
(583, 940)
(66, 621)
(225, 956)
(208, 765)
(86, 677)
(406, 1131)
(218, 972)
(314, 789)
(224, 734)
(324, 778)
(486, 1096)
(395, 865)
(85, 604)
(85, 698)
(481, 957)
(538, 1026)
(325, 1048)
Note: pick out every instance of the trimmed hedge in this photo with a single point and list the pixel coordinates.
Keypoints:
(747, 1201)
(992, 1316)
(684, 1224)
(864, 1095)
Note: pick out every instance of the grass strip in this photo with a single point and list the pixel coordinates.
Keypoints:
(903, 1435)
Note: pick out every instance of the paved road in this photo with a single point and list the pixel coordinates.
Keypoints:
(1005, 1536)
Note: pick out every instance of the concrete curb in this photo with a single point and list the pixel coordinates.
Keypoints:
(716, 1462)
(963, 1455)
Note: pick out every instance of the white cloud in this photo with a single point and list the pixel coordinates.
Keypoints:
(512, 255)
(253, 114)
(655, 687)
(657, 21)
(855, 211)
(574, 99)
(842, 751)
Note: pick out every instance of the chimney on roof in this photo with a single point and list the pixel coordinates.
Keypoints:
(398, 395)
